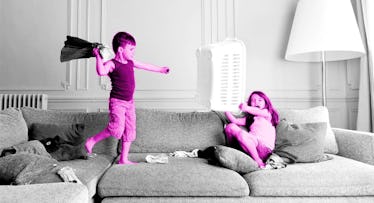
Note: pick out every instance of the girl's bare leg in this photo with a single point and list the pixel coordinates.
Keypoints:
(123, 159)
(247, 141)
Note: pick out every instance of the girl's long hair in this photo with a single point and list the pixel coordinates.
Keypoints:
(268, 106)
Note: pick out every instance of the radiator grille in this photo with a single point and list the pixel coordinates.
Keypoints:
(39, 101)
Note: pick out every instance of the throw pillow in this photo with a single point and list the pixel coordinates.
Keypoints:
(13, 128)
(235, 160)
(300, 142)
(311, 115)
(63, 141)
(26, 168)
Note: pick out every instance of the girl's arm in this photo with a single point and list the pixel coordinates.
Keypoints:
(151, 67)
(233, 119)
(102, 68)
(254, 110)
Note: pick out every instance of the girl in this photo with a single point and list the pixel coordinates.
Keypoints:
(261, 119)
(120, 70)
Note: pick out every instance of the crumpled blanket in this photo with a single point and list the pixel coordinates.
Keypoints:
(275, 162)
(33, 147)
(184, 154)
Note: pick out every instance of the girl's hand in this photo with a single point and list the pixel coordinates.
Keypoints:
(243, 106)
(227, 114)
(165, 70)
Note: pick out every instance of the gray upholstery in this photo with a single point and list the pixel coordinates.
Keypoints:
(179, 177)
(160, 131)
(355, 144)
(337, 177)
(193, 179)
(89, 171)
(13, 128)
(45, 193)
(248, 199)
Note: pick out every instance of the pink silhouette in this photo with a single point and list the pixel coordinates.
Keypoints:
(260, 119)
(120, 69)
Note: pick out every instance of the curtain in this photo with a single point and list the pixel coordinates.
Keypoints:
(365, 18)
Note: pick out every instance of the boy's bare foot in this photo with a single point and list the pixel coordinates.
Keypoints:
(126, 162)
(90, 143)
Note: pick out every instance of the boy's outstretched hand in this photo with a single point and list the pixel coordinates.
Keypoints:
(165, 70)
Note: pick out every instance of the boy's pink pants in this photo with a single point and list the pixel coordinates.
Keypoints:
(122, 119)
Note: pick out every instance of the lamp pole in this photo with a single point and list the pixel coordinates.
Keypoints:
(324, 103)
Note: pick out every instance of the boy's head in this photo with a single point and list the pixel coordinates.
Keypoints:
(122, 39)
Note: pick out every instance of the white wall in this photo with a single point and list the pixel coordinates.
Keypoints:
(168, 32)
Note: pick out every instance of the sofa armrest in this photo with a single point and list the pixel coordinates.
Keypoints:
(357, 145)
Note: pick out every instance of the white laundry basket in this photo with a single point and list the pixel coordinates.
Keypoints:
(221, 75)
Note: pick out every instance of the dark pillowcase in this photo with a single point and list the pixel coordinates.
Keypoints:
(67, 133)
(235, 160)
(301, 143)
(62, 141)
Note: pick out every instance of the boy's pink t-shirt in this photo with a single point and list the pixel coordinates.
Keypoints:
(263, 129)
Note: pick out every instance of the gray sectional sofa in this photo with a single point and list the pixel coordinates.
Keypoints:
(348, 177)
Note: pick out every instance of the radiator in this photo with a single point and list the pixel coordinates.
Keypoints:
(39, 101)
(221, 75)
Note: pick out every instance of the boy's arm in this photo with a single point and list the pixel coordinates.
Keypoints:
(102, 68)
(151, 67)
(233, 119)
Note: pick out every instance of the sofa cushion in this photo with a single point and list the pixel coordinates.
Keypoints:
(235, 160)
(311, 115)
(337, 177)
(89, 171)
(161, 131)
(26, 168)
(300, 142)
(13, 129)
(179, 177)
(33, 147)
(93, 122)
(44, 193)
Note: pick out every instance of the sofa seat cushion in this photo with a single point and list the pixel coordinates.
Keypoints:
(89, 171)
(337, 177)
(179, 177)
(45, 193)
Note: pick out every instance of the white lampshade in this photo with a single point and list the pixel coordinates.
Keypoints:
(327, 26)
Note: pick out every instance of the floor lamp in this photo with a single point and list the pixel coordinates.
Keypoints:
(324, 30)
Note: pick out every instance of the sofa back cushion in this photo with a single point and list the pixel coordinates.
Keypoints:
(13, 129)
(93, 122)
(162, 131)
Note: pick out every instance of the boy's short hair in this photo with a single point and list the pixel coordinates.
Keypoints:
(121, 39)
